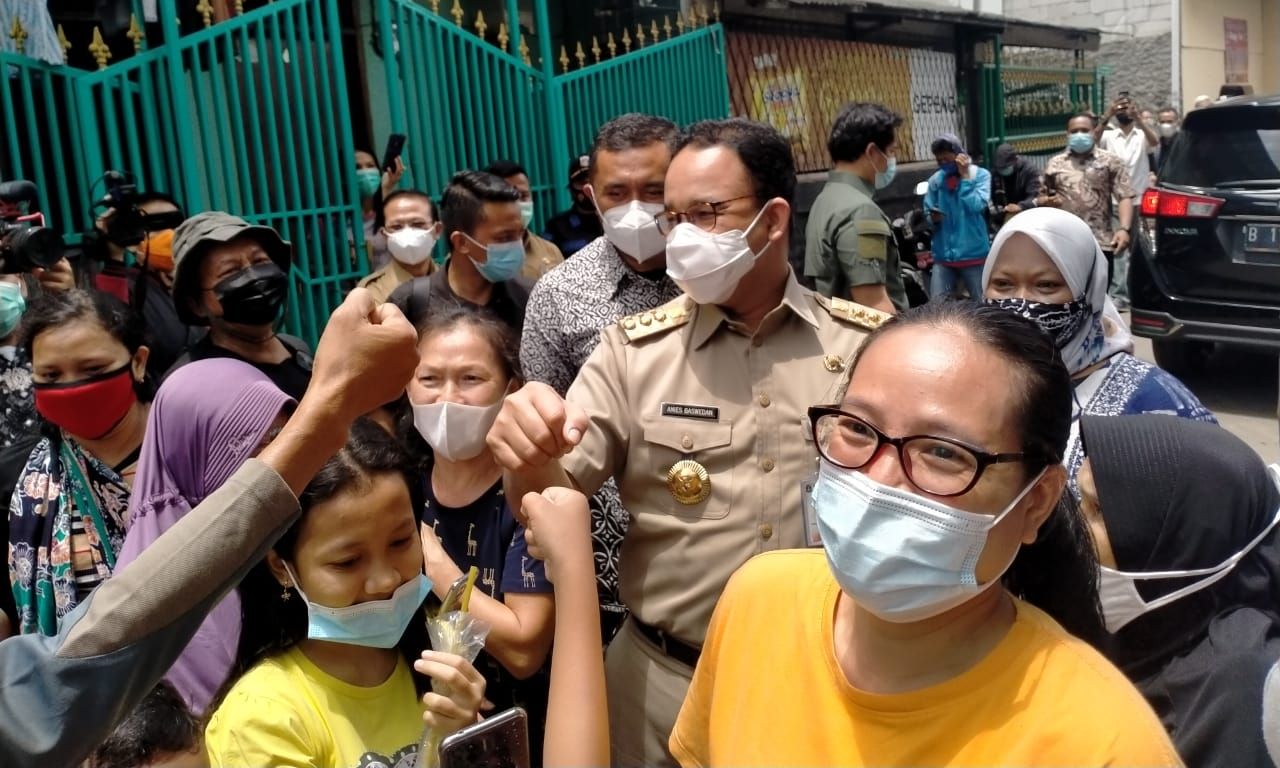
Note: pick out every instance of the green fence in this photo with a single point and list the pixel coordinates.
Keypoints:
(467, 92)
(1029, 106)
(250, 115)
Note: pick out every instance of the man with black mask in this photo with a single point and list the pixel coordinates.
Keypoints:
(1017, 182)
(571, 230)
(233, 276)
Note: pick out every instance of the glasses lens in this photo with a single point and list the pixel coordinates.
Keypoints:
(938, 466)
(666, 222)
(845, 441)
(703, 216)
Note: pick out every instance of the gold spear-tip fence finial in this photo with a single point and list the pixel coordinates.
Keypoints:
(456, 13)
(666, 26)
(611, 45)
(595, 48)
(206, 12)
(239, 7)
(503, 37)
(18, 35)
(136, 33)
(63, 42)
(101, 53)
(435, 7)
(653, 31)
(564, 59)
(481, 25)
(626, 40)
(524, 51)
(640, 36)
(580, 55)
(715, 10)
(680, 22)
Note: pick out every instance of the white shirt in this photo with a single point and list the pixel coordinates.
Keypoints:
(1133, 150)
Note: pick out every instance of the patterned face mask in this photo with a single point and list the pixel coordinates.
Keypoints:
(1060, 321)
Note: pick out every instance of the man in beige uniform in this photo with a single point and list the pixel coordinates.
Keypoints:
(411, 227)
(698, 409)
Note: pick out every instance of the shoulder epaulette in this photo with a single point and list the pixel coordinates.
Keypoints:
(860, 315)
(673, 314)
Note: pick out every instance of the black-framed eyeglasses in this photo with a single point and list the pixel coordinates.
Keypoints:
(937, 465)
(701, 215)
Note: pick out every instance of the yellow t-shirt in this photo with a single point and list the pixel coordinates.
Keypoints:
(768, 691)
(287, 713)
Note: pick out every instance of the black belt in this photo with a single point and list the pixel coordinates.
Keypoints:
(680, 651)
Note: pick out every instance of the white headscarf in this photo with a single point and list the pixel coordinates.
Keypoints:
(1074, 250)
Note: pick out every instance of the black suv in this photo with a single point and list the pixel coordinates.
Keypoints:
(1208, 268)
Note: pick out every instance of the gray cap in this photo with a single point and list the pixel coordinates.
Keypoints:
(197, 234)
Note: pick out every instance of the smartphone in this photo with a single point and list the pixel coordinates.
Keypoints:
(1051, 183)
(502, 741)
(1124, 95)
(395, 145)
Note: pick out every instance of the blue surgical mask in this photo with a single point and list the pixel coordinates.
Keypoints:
(503, 261)
(375, 624)
(885, 178)
(368, 179)
(12, 305)
(1080, 143)
(899, 555)
(949, 169)
(526, 212)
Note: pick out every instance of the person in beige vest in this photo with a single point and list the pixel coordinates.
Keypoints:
(697, 408)
(540, 254)
(411, 228)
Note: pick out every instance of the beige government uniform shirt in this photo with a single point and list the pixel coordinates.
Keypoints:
(682, 383)
(387, 279)
(540, 256)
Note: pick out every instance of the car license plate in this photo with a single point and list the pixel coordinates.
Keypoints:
(1262, 237)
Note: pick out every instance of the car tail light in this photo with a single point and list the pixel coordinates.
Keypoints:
(1179, 205)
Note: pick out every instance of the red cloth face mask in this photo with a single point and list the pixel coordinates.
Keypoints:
(89, 408)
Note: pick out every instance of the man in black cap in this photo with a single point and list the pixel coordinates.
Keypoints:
(571, 230)
(233, 276)
(1017, 182)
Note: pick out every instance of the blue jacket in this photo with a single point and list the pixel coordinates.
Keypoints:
(961, 236)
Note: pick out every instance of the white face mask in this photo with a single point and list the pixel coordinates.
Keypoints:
(1168, 130)
(456, 432)
(708, 266)
(632, 229)
(411, 245)
(1123, 604)
(901, 556)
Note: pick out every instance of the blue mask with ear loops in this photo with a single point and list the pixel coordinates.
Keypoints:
(375, 624)
(12, 307)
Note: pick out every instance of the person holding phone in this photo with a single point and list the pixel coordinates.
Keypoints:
(1093, 184)
(958, 197)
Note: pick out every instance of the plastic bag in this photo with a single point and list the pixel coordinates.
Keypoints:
(459, 633)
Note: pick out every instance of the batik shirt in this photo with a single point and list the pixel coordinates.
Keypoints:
(567, 310)
(1086, 185)
(17, 406)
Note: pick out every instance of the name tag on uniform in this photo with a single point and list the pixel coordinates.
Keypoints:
(812, 536)
(686, 411)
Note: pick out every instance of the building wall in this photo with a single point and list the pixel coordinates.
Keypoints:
(1136, 40)
(1203, 45)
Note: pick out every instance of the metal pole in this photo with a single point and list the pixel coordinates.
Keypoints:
(513, 26)
(391, 66)
(192, 194)
(557, 129)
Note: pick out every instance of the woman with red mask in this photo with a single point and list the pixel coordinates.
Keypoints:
(67, 516)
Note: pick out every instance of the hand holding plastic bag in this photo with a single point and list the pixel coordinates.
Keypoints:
(453, 630)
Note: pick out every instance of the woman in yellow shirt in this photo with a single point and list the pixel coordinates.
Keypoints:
(917, 640)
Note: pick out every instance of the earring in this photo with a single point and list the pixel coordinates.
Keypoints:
(285, 594)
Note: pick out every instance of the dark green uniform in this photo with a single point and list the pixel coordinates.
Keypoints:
(849, 242)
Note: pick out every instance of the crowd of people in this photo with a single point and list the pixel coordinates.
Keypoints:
(715, 517)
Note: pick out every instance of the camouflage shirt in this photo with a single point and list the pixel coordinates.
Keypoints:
(1087, 185)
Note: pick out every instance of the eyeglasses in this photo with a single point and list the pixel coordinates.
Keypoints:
(701, 215)
(937, 465)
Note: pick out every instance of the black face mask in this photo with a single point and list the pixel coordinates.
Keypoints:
(253, 296)
(1123, 119)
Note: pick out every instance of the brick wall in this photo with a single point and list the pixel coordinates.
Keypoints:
(1136, 41)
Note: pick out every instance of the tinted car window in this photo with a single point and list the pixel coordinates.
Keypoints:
(1220, 146)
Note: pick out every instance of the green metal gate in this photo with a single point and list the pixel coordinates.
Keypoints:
(248, 115)
(465, 102)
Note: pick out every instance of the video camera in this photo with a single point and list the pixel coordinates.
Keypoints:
(129, 224)
(24, 245)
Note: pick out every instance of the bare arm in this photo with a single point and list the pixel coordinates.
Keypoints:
(521, 624)
(577, 732)
(875, 296)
